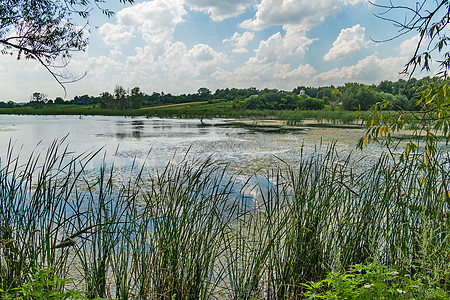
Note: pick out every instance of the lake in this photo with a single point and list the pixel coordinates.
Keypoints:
(223, 233)
(155, 141)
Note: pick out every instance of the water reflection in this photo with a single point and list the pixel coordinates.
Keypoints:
(124, 140)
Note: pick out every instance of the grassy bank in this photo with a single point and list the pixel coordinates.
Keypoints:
(216, 109)
(190, 231)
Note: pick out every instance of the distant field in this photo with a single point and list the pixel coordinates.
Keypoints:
(172, 105)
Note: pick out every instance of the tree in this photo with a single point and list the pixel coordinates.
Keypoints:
(38, 100)
(204, 93)
(46, 30)
(106, 100)
(136, 98)
(429, 18)
(358, 96)
(83, 100)
(120, 97)
(59, 100)
(431, 124)
(335, 96)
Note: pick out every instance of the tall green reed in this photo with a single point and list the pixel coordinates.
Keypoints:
(35, 213)
(192, 231)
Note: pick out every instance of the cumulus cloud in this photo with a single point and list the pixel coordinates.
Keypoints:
(349, 41)
(273, 74)
(240, 41)
(115, 34)
(202, 53)
(272, 64)
(239, 50)
(220, 9)
(283, 49)
(408, 46)
(368, 70)
(155, 21)
(355, 2)
(304, 14)
(176, 67)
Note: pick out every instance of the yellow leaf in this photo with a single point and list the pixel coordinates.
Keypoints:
(381, 118)
(372, 122)
(365, 140)
(439, 115)
(407, 151)
(427, 156)
(429, 101)
(399, 118)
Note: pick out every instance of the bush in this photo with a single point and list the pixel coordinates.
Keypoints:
(43, 285)
(373, 281)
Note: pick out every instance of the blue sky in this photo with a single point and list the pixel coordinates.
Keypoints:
(178, 46)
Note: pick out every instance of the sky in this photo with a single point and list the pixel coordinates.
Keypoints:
(179, 46)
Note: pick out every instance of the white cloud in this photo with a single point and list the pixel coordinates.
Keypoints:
(153, 16)
(154, 20)
(272, 64)
(408, 46)
(240, 41)
(283, 49)
(368, 70)
(178, 67)
(304, 14)
(270, 75)
(115, 52)
(355, 2)
(239, 50)
(349, 41)
(220, 9)
(116, 34)
(202, 53)
(175, 69)
(162, 63)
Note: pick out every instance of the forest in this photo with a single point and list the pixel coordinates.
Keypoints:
(352, 96)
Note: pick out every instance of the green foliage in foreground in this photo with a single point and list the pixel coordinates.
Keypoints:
(429, 126)
(42, 285)
(372, 281)
(190, 230)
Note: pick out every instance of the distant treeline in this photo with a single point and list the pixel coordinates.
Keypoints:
(351, 96)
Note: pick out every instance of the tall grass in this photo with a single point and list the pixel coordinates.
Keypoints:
(191, 230)
(321, 116)
(214, 110)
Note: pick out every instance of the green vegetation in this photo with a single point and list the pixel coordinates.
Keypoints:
(42, 285)
(372, 281)
(429, 118)
(191, 230)
(47, 30)
(324, 104)
(430, 125)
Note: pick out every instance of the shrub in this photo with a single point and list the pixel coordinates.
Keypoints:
(373, 281)
(43, 285)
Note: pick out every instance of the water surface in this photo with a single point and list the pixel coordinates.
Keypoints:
(155, 141)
